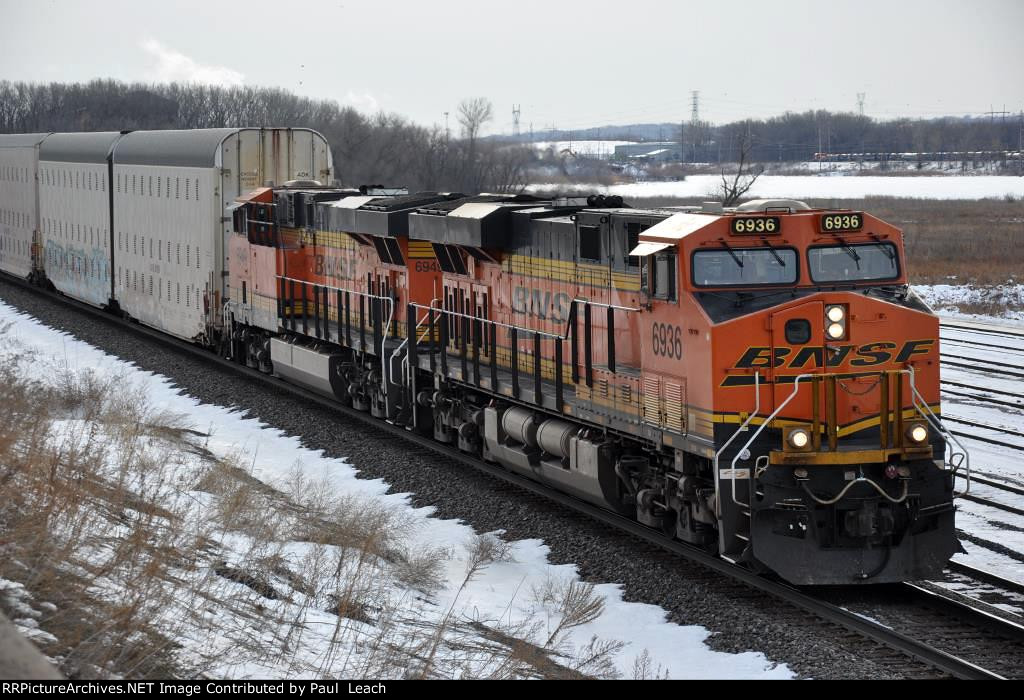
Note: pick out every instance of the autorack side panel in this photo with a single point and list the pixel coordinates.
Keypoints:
(167, 224)
(74, 203)
(19, 202)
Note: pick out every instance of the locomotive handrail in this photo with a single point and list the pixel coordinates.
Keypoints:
(757, 409)
(459, 314)
(919, 403)
(925, 410)
(398, 351)
(606, 306)
(407, 371)
(760, 429)
(384, 336)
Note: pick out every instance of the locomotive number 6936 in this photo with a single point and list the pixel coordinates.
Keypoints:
(667, 341)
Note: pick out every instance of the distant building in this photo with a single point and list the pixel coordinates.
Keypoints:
(651, 152)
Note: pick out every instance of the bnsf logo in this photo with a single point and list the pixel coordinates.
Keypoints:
(547, 306)
(868, 355)
(334, 268)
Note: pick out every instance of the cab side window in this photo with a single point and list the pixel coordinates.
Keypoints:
(633, 231)
(658, 275)
(590, 243)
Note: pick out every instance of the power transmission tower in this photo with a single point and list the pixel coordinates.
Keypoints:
(447, 131)
(516, 109)
(860, 102)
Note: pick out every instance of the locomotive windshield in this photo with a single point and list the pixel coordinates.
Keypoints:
(854, 263)
(744, 267)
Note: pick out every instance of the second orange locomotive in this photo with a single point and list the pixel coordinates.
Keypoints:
(758, 381)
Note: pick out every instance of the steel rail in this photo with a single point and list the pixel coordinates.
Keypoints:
(878, 633)
(1019, 403)
(991, 331)
(986, 576)
(978, 617)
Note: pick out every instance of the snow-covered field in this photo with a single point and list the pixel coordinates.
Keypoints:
(996, 462)
(233, 631)
(837, 186)
(586, 149)
(946, 299)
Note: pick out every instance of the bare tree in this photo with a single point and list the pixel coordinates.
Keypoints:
(473, 114)
(504, 169)
(746, 173)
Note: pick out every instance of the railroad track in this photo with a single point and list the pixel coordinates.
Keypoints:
(1003, 369)
(976, 344)
(986, 577)
(1001, 486)
(986, 330)
(1018, 403)
(948, 662)
(985, 426)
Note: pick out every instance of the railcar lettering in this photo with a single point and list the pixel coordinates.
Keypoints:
(762, 357)
(334, 267)
(427, 266)
(756, 224)
(873, 354)
(868, 355)
(914, 347)
(841, 222)
(545, 305)
(667, 341)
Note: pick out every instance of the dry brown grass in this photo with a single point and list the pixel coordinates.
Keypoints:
(123, 534)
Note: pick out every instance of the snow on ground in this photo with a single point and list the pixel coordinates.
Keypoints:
(587, 149)
(932, 168)
(992, 528)
(946, 299)
(815, 187)
(503, 591)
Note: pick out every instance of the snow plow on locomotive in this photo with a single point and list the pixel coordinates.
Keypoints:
(759, 382)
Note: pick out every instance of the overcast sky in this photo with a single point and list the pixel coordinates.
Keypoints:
(568, 63)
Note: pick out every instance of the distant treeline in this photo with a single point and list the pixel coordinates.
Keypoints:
(794, 137)
(382, 148)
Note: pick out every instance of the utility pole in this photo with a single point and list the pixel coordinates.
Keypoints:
(516, 109)
(993, 113)
(694, 120)
(682, 134)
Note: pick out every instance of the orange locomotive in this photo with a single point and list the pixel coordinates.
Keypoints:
(757, 381)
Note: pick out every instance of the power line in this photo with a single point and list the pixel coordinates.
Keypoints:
(992, 113)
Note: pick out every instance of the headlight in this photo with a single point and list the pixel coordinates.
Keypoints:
(917, 433)
(835, 314)
(836, 331)
(799, 438)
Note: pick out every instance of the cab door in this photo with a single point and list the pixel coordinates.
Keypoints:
(798, 347)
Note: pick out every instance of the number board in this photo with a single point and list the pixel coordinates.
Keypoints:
(841, 223)
(747, 225)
